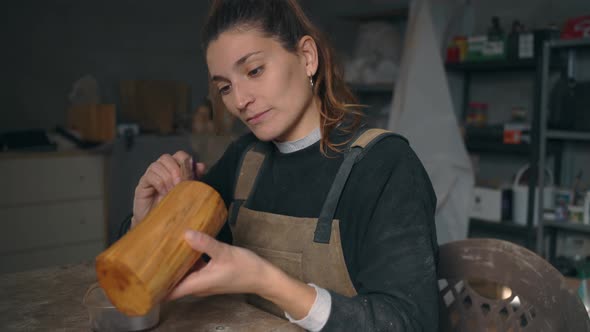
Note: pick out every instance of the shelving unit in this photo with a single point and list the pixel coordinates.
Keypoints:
(470, 68)
(578, 228)
(503, 230)
(372, 89)
(491, 147)
(489, 139)
(375, 95)
(542, 135)
(520, 234)
(554, 228)
(492, 65)
(500, 226)
(543, 140)
(568, 135)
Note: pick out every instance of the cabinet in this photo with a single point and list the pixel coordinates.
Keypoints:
(52, 209)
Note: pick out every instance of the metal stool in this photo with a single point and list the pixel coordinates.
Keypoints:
(537, 297)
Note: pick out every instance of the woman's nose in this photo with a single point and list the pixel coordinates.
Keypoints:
(242, 97)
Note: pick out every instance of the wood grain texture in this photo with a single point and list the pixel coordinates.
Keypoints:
(141, 268)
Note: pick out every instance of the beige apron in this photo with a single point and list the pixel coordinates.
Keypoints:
(307, 249)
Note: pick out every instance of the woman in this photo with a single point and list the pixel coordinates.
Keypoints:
(331, 229)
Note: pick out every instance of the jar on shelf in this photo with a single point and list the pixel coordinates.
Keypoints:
(477, 114)
(453, 54)
(518, 114)
(576, 214)
(461, 43)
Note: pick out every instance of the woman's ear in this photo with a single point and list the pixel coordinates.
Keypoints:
(309, 51)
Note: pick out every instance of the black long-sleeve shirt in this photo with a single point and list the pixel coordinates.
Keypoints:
(386, 215)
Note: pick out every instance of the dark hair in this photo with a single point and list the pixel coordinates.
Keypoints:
(286, 21)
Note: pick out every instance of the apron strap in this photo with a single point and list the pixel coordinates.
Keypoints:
(247, 177)
(359, 147)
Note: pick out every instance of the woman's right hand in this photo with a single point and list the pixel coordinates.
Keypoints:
(160, 177)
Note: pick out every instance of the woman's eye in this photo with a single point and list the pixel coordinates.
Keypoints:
(256, 72)
(224, 90)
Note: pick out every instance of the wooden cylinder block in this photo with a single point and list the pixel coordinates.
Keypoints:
(140, 269)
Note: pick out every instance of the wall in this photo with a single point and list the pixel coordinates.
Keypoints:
(54, 43)
(57, 42)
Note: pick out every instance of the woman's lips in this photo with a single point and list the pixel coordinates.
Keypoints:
(257, 118)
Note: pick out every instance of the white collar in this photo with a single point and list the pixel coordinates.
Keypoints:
(300, 144)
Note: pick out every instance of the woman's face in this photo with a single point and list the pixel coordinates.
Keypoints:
(264, 85)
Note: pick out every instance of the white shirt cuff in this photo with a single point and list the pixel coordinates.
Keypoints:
(319, 313)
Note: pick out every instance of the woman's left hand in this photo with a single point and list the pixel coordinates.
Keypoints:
(235, 270)
(230, 270)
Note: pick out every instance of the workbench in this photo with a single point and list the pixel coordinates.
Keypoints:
(50, 299)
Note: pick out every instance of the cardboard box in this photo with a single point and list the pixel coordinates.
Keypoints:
(94, 123)
(156, 105)
(480, 48)
(491, 204)
(572, 245)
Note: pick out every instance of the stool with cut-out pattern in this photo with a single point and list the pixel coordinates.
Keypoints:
(494, 285)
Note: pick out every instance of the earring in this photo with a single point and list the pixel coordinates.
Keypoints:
(311, 81)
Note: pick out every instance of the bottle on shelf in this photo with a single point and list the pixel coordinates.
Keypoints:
(495, 32)
(477, 114)
(519, 44)
(495, 45)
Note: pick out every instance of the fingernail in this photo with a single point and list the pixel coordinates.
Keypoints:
(176, 181)
(190, 235)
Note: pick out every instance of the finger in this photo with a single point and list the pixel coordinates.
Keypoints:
(201, 169)
(149, 180)
(186, 169)
(164, 174)
(199, 283)
(172, 166)
(181, 156)
(186, 165)
(144, 190)
(203, 243)
(187, 286)
(183, 291)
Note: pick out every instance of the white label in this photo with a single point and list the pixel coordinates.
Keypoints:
(526, 46)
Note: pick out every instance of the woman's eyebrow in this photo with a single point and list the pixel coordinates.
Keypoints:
(238, 63)
(243, 59)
